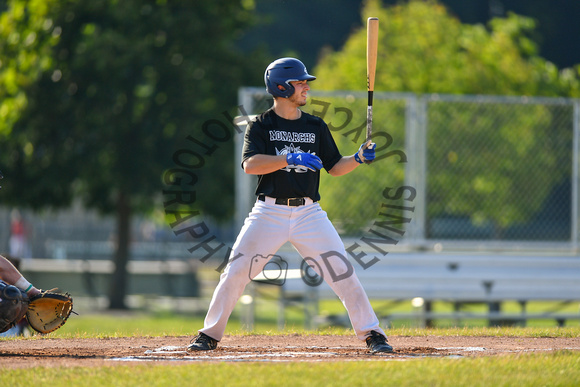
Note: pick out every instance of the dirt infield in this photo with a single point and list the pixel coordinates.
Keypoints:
(50, 352)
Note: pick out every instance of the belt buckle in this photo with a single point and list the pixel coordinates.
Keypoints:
(295, 202)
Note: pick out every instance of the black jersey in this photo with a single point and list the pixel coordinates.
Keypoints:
(273, 135)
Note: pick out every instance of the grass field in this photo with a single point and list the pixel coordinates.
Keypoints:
(560, 368)
(146, 323)
(555, 369)
(140, 324)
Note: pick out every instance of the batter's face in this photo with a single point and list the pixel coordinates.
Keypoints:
(300, 93)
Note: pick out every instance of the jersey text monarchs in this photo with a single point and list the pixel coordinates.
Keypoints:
(280, 135)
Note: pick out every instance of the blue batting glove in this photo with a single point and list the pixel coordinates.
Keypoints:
(366, 153)
(308, 160)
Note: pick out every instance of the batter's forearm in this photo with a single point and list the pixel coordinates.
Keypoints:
(264, 164)
(345, 165)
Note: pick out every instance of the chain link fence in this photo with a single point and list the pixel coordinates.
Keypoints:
(448, 168)
(498, 171)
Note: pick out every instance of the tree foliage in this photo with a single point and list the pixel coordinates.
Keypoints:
(96, 96)
(106, 90)
(424, 50)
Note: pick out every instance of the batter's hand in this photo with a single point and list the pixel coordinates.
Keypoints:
(308, 160)
(366, 153)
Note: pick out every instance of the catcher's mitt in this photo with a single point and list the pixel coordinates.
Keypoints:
(48, 311)
(13, 306)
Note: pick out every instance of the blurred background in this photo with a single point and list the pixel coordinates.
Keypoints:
(118, 129)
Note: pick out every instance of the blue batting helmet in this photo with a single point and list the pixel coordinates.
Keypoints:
(281, 72)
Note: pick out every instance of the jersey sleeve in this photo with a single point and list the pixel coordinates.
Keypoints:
(254, 141)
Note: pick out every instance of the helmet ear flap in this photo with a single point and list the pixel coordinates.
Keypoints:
(279, 87)
(285, 91)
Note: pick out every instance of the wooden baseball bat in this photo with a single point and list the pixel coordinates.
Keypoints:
(372, 47)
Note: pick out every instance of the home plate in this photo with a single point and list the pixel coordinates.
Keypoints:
(167, 349)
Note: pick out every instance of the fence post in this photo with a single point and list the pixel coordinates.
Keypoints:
(416, 168)
(244, 194)
(575, 178)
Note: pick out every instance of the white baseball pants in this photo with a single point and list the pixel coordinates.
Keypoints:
(308, 229)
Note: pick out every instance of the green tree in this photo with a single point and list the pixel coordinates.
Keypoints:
(96, 96)
(424, 50)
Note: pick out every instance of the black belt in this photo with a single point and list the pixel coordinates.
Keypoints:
(292, 202)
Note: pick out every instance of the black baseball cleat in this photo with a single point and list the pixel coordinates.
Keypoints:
(202, 342)
(378, 343)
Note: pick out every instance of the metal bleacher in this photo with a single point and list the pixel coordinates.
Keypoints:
(458, 278)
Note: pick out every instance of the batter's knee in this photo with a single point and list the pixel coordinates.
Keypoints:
(238, 269)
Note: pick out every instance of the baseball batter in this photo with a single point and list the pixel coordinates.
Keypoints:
(286, 148)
